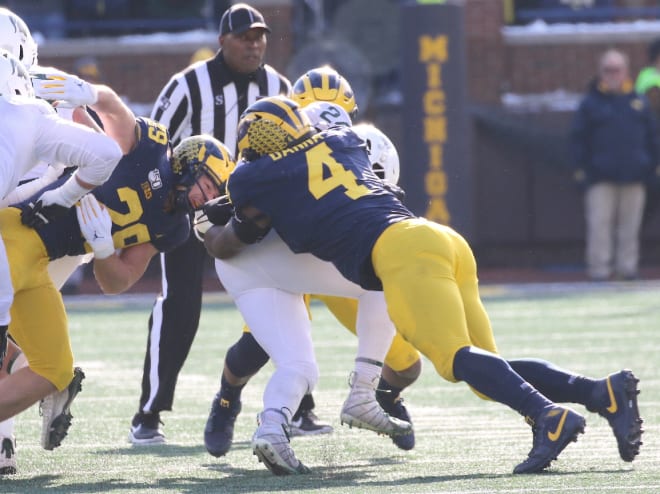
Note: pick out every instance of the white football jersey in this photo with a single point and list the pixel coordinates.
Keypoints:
(31, 132)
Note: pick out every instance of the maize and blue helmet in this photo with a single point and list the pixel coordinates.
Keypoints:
(270, 125)
(196, 156)
(324, 84)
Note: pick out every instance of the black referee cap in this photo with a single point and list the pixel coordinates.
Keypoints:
(239, 18)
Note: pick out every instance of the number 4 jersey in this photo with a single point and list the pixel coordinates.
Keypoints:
(135, 195)
(323, 198)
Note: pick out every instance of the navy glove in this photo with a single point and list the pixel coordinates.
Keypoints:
(36, 215)
(219, 211)
(215, 212)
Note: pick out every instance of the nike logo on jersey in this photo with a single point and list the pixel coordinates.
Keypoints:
(553, 436)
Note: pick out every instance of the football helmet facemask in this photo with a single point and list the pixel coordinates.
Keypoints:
(195, 156)
(15, 37)
(382, 153)
(14, 78)
(270, 125)
(324, 84)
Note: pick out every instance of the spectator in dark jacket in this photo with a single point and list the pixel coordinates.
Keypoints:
(614, 147)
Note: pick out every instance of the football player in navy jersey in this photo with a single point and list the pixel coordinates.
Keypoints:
(318, 191)
(142, 209)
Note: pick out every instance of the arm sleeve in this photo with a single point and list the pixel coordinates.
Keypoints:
(172, 108)
(96, 155)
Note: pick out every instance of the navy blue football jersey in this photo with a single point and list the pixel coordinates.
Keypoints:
(323, 198)
(135, 195)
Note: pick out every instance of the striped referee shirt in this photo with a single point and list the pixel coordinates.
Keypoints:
(208, 98)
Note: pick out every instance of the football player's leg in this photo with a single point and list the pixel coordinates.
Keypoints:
(375, 332)
(8, 464)
(44, 338)
(280, 323)
(173, 324)
(61, 269)
(417, 262)
(401, 367)
(243, 359)
(402, 364)
(613, 397)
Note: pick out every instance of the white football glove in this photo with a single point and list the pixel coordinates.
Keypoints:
(66, 195)
(56, 85)
(96, 226)
(201, 224)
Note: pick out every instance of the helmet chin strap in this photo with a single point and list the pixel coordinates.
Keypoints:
(182, 201)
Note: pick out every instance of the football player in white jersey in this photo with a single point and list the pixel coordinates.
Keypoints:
(31, 132)
(269, 295)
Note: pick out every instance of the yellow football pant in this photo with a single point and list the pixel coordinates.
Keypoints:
(401, 354)
(38, 319)
(429, 277)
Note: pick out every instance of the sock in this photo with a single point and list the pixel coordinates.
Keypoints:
(367, 370)
(386, 392)
(558, 384)
(245, 357)
(228, 392)
(306, 404)
(492, 376)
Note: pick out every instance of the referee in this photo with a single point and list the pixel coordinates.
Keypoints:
(207, 97)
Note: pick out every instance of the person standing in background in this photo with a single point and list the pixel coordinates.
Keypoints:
(207, 97)
(613, 142)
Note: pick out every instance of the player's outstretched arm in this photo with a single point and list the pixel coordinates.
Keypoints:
(118, 119)
(70, 90)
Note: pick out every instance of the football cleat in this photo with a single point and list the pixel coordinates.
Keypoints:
(398, 410)
(7, 455)
(361, 409)
(308, 424)
(622, 413)
(270, 444)
(219, 430)
(556, 427)
(145, 430)
(55, 410)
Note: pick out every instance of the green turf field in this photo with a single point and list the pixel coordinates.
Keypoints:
(464, 445)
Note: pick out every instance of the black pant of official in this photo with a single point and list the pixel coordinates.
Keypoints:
(173, 323)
